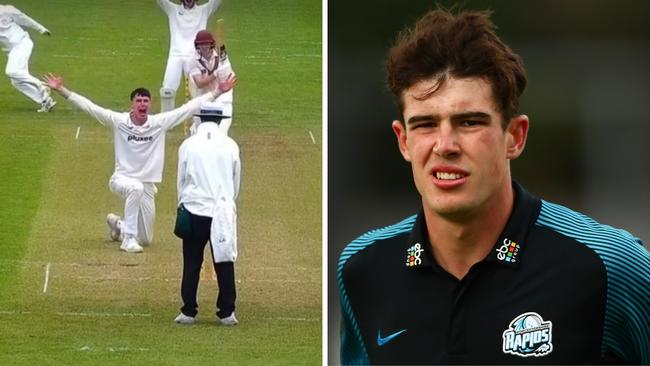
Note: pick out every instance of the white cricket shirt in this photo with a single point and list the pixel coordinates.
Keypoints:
(209, 168)
(140, 150)
(10, 31)
(185, 23)
(223, 70)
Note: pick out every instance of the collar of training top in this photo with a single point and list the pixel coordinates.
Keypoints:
(506, 251)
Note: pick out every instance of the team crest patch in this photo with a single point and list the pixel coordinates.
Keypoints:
(413, 255)
(528, 335)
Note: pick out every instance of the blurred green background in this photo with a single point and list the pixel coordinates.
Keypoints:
(588, 65)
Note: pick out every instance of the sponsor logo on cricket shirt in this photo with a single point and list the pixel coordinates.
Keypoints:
(413, 255)
(139, 138)
(508, 251)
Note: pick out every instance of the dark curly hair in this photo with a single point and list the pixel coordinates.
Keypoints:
(443, 45)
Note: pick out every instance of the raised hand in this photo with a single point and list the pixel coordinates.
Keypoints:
(53, 81)
(227, 83)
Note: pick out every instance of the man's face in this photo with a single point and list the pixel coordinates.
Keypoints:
(188, 3)
(458, 149)
(140, 106)
(205, 51)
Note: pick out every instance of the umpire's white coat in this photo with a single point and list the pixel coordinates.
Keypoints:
(209, 173)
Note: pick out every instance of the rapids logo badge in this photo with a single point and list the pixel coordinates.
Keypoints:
(528, 335)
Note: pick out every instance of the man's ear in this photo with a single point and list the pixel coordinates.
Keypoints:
(400, 133)
(516, 135)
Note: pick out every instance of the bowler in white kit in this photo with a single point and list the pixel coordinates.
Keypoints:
(185, 20)
(139, 143)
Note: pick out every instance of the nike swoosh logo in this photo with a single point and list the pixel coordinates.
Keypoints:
(382, 341)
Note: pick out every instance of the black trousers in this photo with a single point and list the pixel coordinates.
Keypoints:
(193, 248)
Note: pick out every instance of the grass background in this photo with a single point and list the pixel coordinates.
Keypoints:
(103, 305)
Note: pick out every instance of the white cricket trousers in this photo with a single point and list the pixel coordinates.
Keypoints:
(176, 66)
(139, 206)
(18, 71)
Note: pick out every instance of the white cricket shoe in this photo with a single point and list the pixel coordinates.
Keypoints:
(230, 320)
(113, 228)
(46, 105)
(184, 319)
(130, 245)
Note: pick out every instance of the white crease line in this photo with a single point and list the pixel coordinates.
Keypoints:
(279, 281)
(47, 277)
(65, 56)
(169, 279)
(112, 349)
(132, 315)
(298, 319)
(76, 136)
(312, 138)
(143, 265)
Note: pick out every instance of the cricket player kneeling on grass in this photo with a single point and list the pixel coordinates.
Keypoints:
(139, 143)
(209, 173)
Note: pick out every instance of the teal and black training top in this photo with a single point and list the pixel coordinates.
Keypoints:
(558, 287)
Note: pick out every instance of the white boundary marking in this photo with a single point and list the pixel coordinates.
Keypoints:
(312, 137)
(76, 136)
(47, 277)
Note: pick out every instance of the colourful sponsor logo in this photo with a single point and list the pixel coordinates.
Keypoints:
(413, 255)
(508, 251)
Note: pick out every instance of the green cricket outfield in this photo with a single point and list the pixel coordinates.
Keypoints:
(68, 295)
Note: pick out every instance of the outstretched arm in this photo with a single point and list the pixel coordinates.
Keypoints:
(24, 20)
(55, 82)
(104, 116)
(175, 117)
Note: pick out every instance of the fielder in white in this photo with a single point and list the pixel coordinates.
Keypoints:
(139, 143)
(185, 20)
(209, 171)
(210, 64)
(18, 45)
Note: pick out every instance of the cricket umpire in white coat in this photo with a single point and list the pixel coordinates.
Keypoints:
(209, 171)
(17, 43)
(185, 20)
(139, 139)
